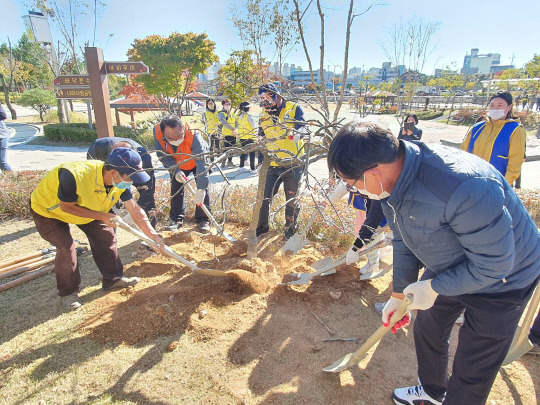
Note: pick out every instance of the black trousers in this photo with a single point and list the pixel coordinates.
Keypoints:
(291, 181)
(229, 142)
(243, 156)
(484, 339)
(178, 204)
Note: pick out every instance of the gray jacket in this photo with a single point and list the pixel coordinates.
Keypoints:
(455, 214)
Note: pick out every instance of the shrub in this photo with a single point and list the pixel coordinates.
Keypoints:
(15, 190)
(79, 132)
(429, 115)
(528, 119)
(469, 115)
(39, 99)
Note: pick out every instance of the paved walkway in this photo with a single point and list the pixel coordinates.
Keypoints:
(22, 156)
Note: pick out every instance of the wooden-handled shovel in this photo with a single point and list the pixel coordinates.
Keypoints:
(521, 343)
(355, 357)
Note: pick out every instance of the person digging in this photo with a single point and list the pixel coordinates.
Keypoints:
(82, 193)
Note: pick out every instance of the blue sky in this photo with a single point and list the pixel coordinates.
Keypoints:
(508, 28)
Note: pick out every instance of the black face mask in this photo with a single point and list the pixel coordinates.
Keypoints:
(272, 110)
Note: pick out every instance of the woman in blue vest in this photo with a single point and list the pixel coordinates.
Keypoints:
(500, 139)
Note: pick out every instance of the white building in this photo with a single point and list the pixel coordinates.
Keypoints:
(480, 63)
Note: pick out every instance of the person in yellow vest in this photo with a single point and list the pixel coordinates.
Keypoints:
(229, 128)
(83, 193)
(500, 139)
(211, 123)
(282, 126)
(247, 133)
(175, 145)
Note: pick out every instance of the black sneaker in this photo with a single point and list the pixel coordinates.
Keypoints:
(174, 225)
(413, 396)
(261, 230)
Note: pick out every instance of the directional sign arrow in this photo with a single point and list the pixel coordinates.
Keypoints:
(74, 93)
(126, 68)
(72, 81)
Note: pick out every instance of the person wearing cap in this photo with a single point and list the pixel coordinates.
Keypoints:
(500, 138)
(282, 127)
(229, 128)
(247, 133)
(83, 193)
(176, 145)
(101, 149)
(454, 214)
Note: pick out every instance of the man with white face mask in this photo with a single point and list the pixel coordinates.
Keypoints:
(176, 144)
(500, 139)
(454, 214)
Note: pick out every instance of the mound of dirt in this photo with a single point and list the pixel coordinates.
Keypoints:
(170, 296)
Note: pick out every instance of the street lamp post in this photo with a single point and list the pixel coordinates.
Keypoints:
(334, 77)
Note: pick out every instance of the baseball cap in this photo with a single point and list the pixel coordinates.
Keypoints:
(127, 161)
(268, 88)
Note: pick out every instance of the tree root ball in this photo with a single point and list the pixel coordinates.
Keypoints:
(249, 281)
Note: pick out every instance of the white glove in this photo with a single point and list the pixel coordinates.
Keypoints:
(423, 294)
(180, 176)
(199, 197)
(391, 305)
(338, 193)
(296, 136)
(353, 255)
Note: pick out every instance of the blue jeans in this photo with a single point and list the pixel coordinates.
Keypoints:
(291, 180)
(4, 165)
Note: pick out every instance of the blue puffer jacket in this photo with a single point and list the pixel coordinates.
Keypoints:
(455, 214)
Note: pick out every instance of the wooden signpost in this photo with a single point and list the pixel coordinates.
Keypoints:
(94, 85)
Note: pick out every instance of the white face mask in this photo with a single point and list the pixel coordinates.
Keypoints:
(371, 196)
(496, 114)
(176, 143)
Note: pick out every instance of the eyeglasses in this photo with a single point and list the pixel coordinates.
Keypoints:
(354, 181)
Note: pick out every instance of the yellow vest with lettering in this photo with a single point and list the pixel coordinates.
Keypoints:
(231, 120)
(275, 127)
(245, 130)
(212, 122)
(91, 192)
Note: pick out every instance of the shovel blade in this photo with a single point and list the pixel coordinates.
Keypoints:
(294, 244)
(372, 275)
(342, 364)
(321, 264)
(303, 279)
(519, 347)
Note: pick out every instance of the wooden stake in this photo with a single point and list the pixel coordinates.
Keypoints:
(24, 263)
(22, 269)
(26, 278)
(20, 258)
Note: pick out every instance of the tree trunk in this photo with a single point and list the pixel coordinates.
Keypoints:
(252, 235)
(8, 101)
(60, 111)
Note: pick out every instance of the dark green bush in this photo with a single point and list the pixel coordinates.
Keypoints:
(429, 115)
(80, 132)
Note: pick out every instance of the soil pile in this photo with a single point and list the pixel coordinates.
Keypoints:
(170, 296)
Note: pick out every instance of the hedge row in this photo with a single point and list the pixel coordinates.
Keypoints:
(429, 115)
(79, 132)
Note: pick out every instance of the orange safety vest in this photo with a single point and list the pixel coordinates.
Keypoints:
(182, 152)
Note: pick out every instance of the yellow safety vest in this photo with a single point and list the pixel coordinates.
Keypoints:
(231, 120)
(245, 129)
(212, 122)
(91, 192)
(284, 123)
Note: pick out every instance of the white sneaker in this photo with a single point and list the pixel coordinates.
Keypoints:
(413, 396)
(71, 302)
(373, 268)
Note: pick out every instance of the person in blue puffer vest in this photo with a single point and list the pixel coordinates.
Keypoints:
(456, 215)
